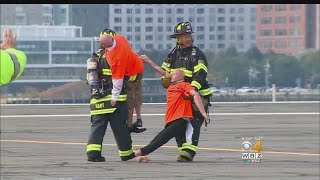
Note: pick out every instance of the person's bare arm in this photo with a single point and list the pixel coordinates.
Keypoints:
(198, 101)
(147, 60)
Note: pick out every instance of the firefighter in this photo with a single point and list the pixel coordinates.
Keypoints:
(125, 62)
(12, 61)
(194, 64)
(104, 112)
(178, 112)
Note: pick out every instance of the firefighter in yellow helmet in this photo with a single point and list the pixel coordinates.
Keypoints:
(12, 61)
(102, 112)
(194, 64)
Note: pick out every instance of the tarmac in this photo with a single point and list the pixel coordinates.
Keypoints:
(48, 142)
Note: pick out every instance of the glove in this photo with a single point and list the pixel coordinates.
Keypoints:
(165, 82)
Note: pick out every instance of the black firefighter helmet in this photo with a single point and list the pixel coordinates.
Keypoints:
(107, 31)
(182, 28)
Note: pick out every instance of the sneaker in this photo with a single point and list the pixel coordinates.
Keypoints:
(143, 159)
(96, 159)
(184, 157)
(136, 129)
(138, 123)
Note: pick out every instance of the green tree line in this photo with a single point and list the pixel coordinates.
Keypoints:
(230, 68)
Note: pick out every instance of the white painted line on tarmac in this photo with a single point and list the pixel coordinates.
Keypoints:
(260, 102)
(213, 114)
(165, 146)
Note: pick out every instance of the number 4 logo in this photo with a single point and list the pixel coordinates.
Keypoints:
(257, 146)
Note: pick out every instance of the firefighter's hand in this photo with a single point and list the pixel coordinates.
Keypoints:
(145, 59)
(113, 103)
(9, 39)
(206, 117)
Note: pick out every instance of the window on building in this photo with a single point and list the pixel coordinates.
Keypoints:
(160, 11)
(221, 10)
(201, 46)
(240, 36)
(266, 20)
(241, 10)
(253, 18)
(294, 44)
(212, 10)
(149, 20)
(211, 28)
(129, 37)
(129, 11)
(221, 19)
(168, 46)
(240, 28)
(221, 28)
(149, 11)
(168, 28)
(149, 46)
(200, 28)
(253, 28)
(266, 32)
(160, 37)
(252, 37)
(241, 19)
(232, 28)
(232, 10)
(191, 11)
(266, 8)
(137, 20)
(117, 19)
(138, 46)
(221, 37)
(169, 20)
(179, 11)
(137, 11)
(280, 20)
(221, 46)
(279, 44)
(129, 19)
(168, 11)
(280, 7)
(160, 47)
(117, 11)
(137, 38)
(137, 29)
(180, 19)
(266, 45)
(149, 37)
(118, 29)
(160, 20)
(149, 29)
(211, 37)
(294, 19)
(294, 32)
(212, 46)
(200, 37)
(295, 7)
(253, 10)
(129, 28)
(232, 19)
(280, 32)
(200, 19)
(160, 29)
(200, 11)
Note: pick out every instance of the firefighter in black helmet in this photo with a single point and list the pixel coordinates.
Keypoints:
(194, 64)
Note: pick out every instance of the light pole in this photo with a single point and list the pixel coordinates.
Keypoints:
(267, 69)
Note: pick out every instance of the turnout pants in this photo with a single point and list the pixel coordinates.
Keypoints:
(175, 128)
(119, 128)
(189, 142)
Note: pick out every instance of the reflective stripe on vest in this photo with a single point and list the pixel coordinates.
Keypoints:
(205, 92)
(102, 111)
(16, 65)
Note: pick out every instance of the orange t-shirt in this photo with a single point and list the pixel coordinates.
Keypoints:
(177, 107)
(123, 60)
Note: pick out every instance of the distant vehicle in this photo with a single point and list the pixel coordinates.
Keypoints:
(246, 90)
(287, 89)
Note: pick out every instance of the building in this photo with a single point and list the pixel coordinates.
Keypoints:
(60, 13)
(56, 55)
(216, 26)
(286, 28)
(317, 26)
(26, 14)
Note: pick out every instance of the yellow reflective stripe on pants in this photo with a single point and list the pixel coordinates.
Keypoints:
(196, 84)
(106, 71)
(132, 78)
(94, 147)
(102, 111)
(187, 73)
(125, 153)
(188, 146)
(205, 92)
(121, 97)
(200, 66)
(165, 66)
